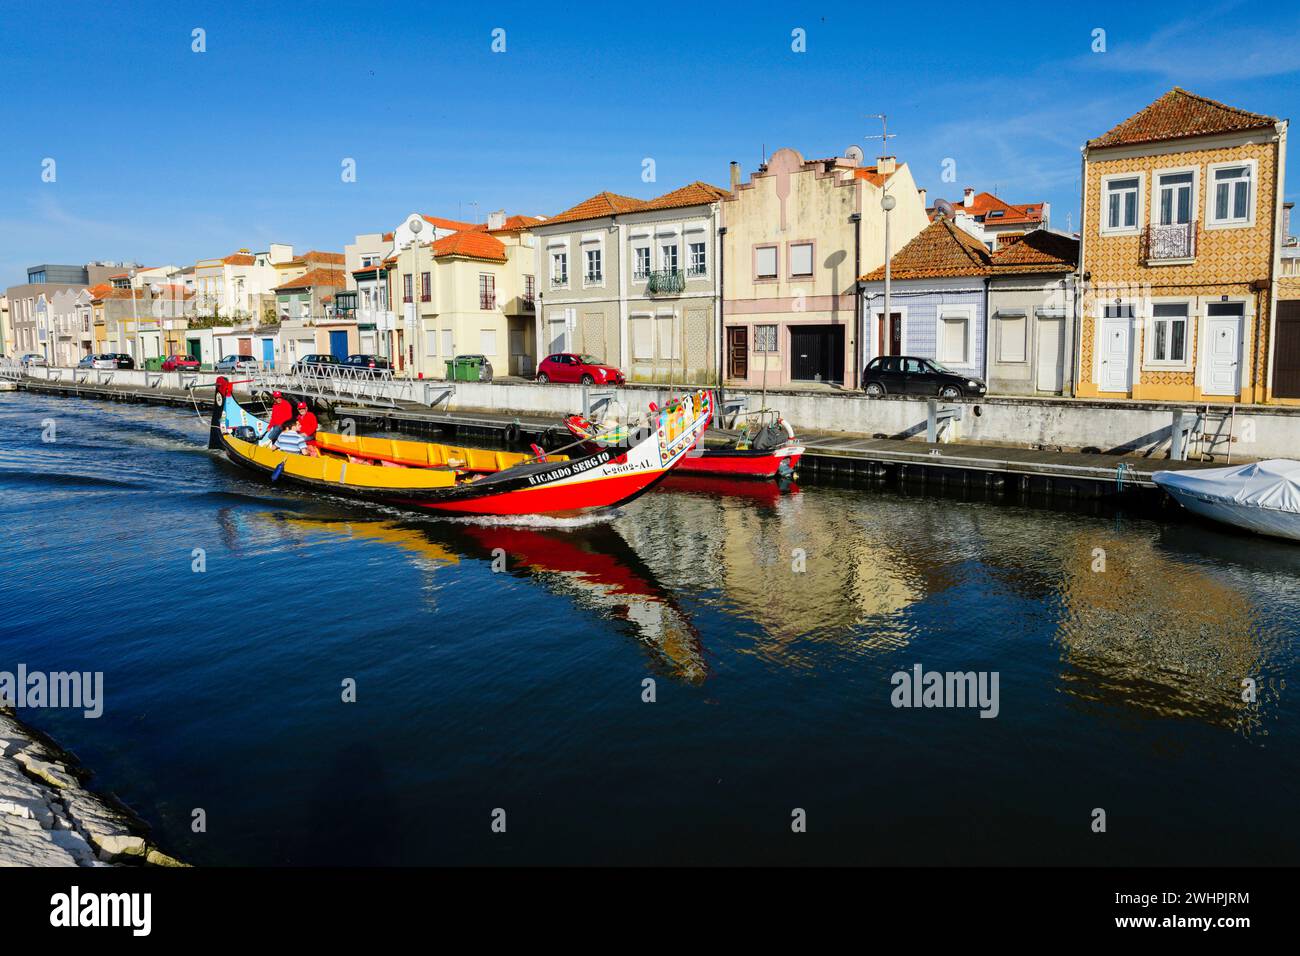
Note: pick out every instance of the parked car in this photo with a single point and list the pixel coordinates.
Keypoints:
(122, 360)
(236, 363)
(316, 365)
(575, 368)
(376, 364)
(32, 359)
(180, 363)
(88, 361)
(910, 375)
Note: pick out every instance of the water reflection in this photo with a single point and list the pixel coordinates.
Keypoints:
(591, 564)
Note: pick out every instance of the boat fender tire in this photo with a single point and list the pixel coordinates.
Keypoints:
(513, 433)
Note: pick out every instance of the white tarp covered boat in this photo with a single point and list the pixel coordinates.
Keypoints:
(1263, 496)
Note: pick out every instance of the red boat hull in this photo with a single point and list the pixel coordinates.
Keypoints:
(740, 464)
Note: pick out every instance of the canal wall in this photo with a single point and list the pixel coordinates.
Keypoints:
(48, 818)
(1143, 428)
(1109, 427)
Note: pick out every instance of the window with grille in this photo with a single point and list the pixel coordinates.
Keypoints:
(487, 291)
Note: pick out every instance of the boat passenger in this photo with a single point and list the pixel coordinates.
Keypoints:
(294, 441)
(281, 415)
(306, 420)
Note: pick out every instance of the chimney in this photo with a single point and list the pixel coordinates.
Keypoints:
(968, 197)
(886, 165)
(735, 175)
(921, 193)
(497, 220)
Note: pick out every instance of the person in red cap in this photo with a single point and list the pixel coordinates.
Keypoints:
(281, 415)
(306, 421)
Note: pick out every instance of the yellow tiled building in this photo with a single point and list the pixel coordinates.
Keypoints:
(1181, 238)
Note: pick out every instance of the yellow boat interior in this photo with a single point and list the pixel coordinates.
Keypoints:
(371, 462)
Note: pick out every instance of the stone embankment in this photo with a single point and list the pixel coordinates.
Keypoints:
(47, 818)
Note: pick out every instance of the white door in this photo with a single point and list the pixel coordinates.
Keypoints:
(1051, 355)
(1115, 354)
(1222, 354)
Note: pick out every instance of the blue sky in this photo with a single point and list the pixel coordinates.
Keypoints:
(166, 155)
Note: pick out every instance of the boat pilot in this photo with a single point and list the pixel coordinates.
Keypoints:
(281, 415)
(307, 423)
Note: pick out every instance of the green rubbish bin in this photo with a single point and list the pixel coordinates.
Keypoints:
(154, 364)
(451, 370)
(465, 368)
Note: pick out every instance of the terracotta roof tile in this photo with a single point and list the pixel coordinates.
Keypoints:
(1039, 251)
(1178, 114)
(239, 259)
(514, 223)
(599, 205)
(334, 258)
(940, 249)
(982, 204)
(692, 194)
(316, 277)
(474, 245)
(453, 224)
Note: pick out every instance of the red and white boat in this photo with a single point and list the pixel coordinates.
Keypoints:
(765, 447)
(433, 477)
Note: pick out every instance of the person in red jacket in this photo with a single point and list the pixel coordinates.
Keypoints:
(281, 415)
(307, 423)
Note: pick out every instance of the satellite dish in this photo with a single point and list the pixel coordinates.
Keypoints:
(854, 153)
(944, 208)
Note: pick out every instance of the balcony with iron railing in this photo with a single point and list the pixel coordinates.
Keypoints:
(559, 281)
(666, 282)
(1172, 243)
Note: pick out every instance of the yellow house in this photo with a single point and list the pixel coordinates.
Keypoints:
(1181, 238)
(473, 291)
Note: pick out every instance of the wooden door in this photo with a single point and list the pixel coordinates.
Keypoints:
(737, 352)
(1286, 353)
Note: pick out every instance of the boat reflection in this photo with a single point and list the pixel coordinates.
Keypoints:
(591, 563)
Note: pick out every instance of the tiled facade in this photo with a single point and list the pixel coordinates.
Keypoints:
(1134, 342)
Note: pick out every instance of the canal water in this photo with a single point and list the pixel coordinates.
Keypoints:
(505, 667)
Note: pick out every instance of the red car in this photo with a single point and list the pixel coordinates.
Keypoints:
(178, 363)
(577, 369)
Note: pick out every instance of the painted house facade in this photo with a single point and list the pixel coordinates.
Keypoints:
(1181, 232)
(798, 235)
(1033, 315)
(634, 283)
(465, 292)
(938, 301)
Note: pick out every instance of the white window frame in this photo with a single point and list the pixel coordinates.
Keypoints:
(1251, 203)
(666, 243)
(588, 280)
(649, 262)
(703, 273)
(1104, 228)
(1149, 361)
(789, 256)
(967, 312)
(1153, 216)
(559, 251)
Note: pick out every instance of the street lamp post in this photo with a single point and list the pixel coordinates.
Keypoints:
(887, 202)
(135, 316)
(417, 332)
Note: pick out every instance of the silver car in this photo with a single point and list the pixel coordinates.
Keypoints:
(32, 359)
(237, 363)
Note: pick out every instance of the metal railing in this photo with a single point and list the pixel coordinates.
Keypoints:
(1169, 242)
(359, 385)
(666, 281)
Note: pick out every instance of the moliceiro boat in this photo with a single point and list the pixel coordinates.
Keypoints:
(1263, 497)
(425, 476)
(764, 447)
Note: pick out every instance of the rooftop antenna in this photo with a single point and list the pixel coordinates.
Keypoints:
(885, 135)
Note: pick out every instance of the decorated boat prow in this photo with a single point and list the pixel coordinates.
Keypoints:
(763, 448)
(426, 476)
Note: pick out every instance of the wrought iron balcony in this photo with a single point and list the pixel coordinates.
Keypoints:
(666, 282)
(1172, 242)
